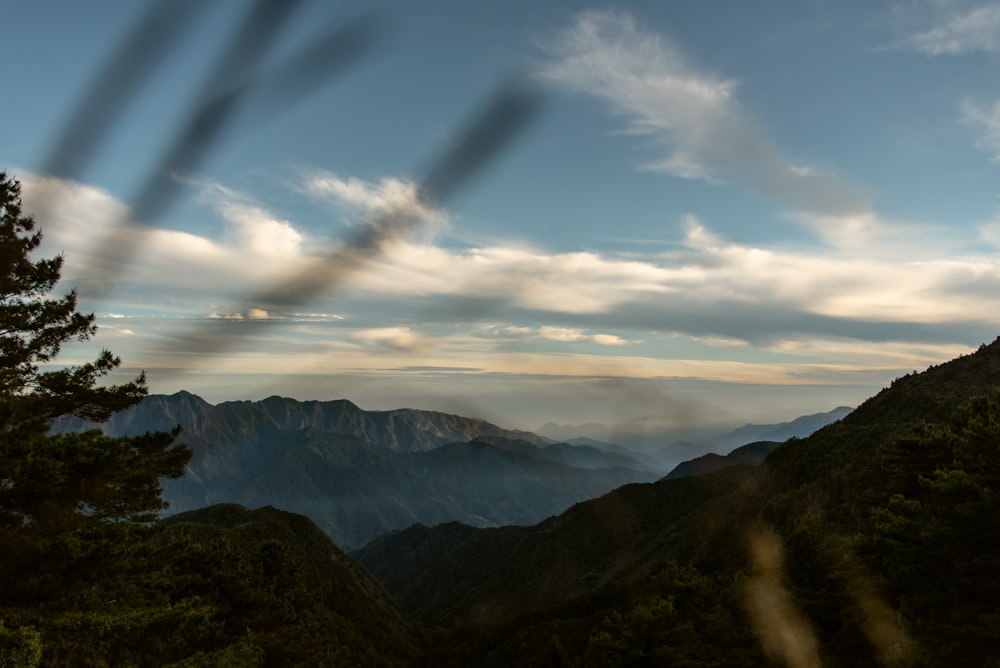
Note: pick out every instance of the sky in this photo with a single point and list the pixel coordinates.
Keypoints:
(700, 213)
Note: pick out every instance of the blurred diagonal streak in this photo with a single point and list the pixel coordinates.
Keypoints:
(506, 115)
(111, 92)
(221, 96)
(224, 91)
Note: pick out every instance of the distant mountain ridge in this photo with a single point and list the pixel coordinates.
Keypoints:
(771, 436)
(358, 474)
(800, 427)
(708, 446)
(399, 430)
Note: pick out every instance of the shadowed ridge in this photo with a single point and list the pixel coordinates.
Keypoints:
(296, 577)
(675, 568)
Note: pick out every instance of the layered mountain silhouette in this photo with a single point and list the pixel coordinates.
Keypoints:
(359, 474)
(874, 541)
(658, 445)
(837, 527)
(780, 432)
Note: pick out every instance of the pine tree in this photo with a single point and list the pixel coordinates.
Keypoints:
(939, 538)
(68, 502)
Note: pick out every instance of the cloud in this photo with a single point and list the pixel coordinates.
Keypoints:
(990, 233)
(176, 266)
(578, 335)
(702, 278)
(390, 197)
(253, 228)
(696, 116)
(975, 29)
(814, 305)
(248, 314)
(985, 118)
(527, 277)
(401, 339)
(547, 332)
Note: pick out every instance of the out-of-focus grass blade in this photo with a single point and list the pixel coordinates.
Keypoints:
(509, 112)
(111, 92)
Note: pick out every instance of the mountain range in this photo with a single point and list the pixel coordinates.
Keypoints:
(359, 474)
(873, 541)
(665, 444)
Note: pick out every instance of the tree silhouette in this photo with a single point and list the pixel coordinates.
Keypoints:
(63, 497)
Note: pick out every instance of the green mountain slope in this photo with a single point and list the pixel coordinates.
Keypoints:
(221, 586)
(876, 541)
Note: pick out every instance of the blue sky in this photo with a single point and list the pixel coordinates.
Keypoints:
(723, 212)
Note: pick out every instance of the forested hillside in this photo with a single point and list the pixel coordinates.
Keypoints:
(873, 542)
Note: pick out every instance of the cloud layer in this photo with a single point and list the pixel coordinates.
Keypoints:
(419, 298)
(961, 30)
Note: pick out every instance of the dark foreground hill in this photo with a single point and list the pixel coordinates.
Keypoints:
(221, 586)
(359, 474)
(876, 541)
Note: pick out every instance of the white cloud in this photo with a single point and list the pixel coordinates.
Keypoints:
(401, 339)
(257, 314)
(248, 314)
(975, 29)
(985, 118)
(253, 228)
(316, 316)
(391, 201)
(722, 341)
(530, 278)
(707, 286)
(579, 336)
(990, 233)
(258, 250)
(696, 115)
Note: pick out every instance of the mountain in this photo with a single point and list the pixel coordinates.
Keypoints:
(751, 453)
(757, 451)
(660, 446)
(873, 541)
(642, 434)
(358, 474)
(800, 427)
(566, 433)
(401, 430)
(453, 575)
